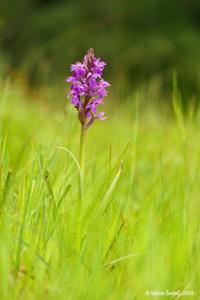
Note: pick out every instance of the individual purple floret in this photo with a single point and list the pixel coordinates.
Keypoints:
(88, 88)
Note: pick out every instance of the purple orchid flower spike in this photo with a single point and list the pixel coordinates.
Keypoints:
(88, 88)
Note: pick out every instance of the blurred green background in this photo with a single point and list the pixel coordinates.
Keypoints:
(141, 41)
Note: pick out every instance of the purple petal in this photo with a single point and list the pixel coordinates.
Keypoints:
(101, 116)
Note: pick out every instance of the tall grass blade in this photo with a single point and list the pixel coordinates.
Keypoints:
(105, 201)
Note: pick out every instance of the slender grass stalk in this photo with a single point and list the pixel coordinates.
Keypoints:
(6, 189)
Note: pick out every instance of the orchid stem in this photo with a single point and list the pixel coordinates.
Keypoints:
(82, 148)
(79, 203)
(81, 159)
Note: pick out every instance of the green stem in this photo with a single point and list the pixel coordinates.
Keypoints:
(82, 148)
(81, 160)
(79, 203)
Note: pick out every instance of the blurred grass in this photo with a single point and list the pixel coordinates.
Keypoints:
(146, 238)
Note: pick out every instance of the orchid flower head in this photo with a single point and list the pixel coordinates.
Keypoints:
(88, 88)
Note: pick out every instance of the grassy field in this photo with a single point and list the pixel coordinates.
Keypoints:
(136, 228)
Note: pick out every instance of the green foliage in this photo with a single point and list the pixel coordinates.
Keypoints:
(140, 40)
(139, 222)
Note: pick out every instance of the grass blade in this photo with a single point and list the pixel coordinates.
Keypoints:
(104, 202)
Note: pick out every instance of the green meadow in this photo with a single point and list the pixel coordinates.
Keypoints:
(133, 229)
